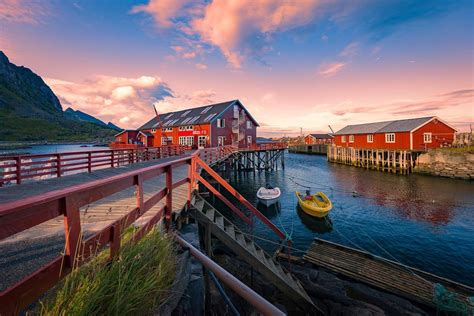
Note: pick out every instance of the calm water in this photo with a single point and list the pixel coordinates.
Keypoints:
(49, 149)
(421, 221)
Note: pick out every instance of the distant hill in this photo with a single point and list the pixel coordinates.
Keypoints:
(84, 117)
(30, 111)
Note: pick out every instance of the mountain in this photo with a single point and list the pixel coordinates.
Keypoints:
(30, 111)
(77, 115)
(113, 126)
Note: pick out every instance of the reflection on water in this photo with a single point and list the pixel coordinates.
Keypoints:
(421, 221)
(319, 225)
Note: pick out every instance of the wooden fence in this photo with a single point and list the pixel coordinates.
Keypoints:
(20, 215)
(16, 169)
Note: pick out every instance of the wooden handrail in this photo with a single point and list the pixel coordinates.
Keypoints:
(239, 197)
(22, 167)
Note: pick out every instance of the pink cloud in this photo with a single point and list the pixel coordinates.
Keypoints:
(22, 11)
(328, 70)
(116, 99)
(231, 25)
(201, 66)
(162, 11)
(350, 50)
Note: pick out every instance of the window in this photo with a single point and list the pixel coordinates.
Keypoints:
(186, 140)
(185, 113)
(370, 138)
(351, 138)
(153, 130)
(427, 138)
(167, 129)
(220, 140)
(166, 140)
(236, 111)
(343, 138)
(249, 140)
(186, 128)
(206, 110)
(249, 124)
(390, 137)
(210, 116)
(221, 123)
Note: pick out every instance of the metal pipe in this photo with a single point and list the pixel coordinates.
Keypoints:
(224, 294)
(252, 297)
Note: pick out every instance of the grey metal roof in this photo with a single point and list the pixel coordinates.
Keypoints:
(200, 115)
(321, 136)
(384, 127)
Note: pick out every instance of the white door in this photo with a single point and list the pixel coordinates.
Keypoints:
(202, 141)
(249, 140)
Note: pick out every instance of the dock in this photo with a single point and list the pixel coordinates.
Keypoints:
(314, 149)
(392, 161)
(394, 277)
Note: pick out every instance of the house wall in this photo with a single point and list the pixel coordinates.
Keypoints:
(198, 130)
(126, 137)
(228, 116)
(402, 141)
(308, 140)
(441, 135)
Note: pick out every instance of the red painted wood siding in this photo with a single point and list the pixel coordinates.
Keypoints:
(228, 116)
(441, 134)
(175, 133)
(126, 137)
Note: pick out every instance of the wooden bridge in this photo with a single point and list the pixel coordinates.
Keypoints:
(87, 212)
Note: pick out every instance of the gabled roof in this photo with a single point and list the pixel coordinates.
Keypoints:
(406, 125)
(192, 116)
(321, 136)
(124, 131)
(147, 134)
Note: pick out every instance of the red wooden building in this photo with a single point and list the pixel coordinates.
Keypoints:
(410, 134)
(311, 139)
(226, 123)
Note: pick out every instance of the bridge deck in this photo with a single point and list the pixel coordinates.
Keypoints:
(25, 252)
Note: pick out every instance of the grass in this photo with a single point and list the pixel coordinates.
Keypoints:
(136, 283)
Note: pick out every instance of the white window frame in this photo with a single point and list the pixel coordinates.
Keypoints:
(249, 137)
(343, 138)
(370, 138)
(221, 142)
(167, 129)
(427, 138)
(351, 138)
(221, 123)
(249, 124)
(186, 140)
(164, 140)
(153, 130)
(389, 138)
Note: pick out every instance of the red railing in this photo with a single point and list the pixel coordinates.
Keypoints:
(118, 145)
(20, 215)
(16, 169)
(265, 146)
(216, 154)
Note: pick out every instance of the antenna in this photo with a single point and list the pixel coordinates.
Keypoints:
(157, 116)
(331, 129)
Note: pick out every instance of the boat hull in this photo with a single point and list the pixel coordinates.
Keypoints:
(268, 202)
(268, 197)
(319, 206)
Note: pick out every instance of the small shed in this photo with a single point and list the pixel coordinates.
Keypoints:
(311, 139)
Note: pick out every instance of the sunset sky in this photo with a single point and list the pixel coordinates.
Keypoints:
(294, 64)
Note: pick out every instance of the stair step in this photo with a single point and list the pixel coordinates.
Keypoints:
(210, 214)
(251, 247)
(199, 204)
(219, 220)
(230, 230)
(240, 238)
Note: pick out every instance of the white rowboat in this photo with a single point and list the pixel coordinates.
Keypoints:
(268, 196)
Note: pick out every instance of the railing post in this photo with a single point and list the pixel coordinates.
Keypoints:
(139, 192)
(115, 242)
(89, 162)
(58, 165)
(72, 230)
(169, 196)
(18, 169)
(191, 180)
(112, 156)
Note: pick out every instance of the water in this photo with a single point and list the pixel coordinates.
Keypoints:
(50, 149)
(424, 222)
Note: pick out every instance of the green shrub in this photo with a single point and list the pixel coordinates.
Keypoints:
(136, 283)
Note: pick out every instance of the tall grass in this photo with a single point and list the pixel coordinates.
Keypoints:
(136, 283)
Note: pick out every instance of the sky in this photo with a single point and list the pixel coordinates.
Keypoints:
(302, 64)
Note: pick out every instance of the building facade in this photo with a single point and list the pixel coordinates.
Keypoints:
(227, 123)
(410, 134)
(311, 139)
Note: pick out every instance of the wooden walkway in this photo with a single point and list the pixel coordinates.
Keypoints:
(382, 273)
(25, 252)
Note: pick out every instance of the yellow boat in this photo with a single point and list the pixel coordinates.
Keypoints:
(318, 206)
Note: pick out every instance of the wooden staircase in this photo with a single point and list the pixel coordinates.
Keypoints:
(262, 262)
